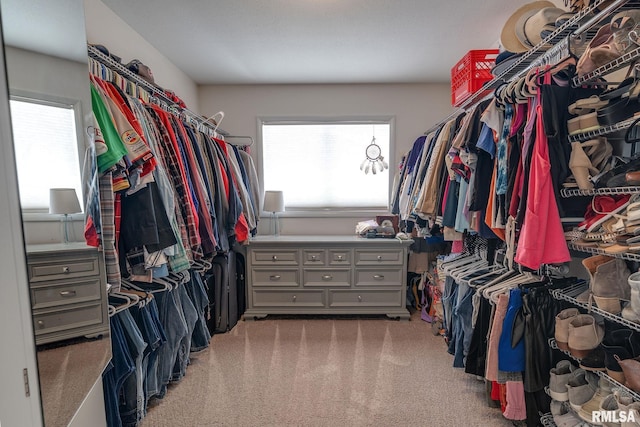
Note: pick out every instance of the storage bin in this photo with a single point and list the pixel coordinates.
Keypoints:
(470, 73)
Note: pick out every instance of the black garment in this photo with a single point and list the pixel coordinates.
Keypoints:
(522, 206)
(477, 357)
(555, 101)
(144, 223)
(449, 216)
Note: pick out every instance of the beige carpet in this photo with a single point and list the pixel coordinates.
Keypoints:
(325, 372)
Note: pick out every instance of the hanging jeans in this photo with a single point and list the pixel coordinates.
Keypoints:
(154, 338)
(448, 301)
(175, 328)
(188, 313)
(153, 384)
(463, 329)
(198, 295)
(119, 369)
(133, 393)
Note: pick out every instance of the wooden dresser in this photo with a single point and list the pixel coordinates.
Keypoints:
(68, 291)
(326, 275)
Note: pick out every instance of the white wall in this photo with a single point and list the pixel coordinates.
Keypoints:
(416, 107)
(106, 28)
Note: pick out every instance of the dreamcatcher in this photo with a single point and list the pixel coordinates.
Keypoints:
(374, 161)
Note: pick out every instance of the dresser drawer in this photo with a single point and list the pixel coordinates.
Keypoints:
(314, 257)
(291, 299)
(62, 320)
(368, 298)
(65, 292)
(379, 277)
(274, 257)
(339, 257)
(326, 277)
(62, 269)
(275, 277)
(377, 257)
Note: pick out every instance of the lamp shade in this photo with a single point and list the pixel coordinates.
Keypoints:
(273, 201)
(63, 201)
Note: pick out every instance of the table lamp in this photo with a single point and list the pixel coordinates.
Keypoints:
(64, 201)
(274, 203)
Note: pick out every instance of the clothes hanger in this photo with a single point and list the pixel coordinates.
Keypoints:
(464, 269)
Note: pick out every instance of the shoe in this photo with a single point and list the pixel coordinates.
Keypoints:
(581, 167)
(622, 24)
(600, 154)
(631, 369)
(586, 63)
(594, 361)
(633, 415)
(559, 376)
(623, 343)
(562, 327)
(608, 281)
(584, 335)
(593, 405)
(581, 387)
(566, 418)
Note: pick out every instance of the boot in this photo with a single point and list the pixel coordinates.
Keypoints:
(562, 327)
(618, 343)
(609, 281)
(632, 311)
(584, 335)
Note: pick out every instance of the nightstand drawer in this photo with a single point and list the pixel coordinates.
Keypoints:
(62, 320)
(373, 257)
(291, 299)
(279, 277)
(379, 277)
(339, 257)
(313, 257)
(62, 269)
(376, 298)
(65, 292)
(282, 257)
(327, 277)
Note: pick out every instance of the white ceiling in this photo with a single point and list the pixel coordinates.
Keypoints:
(316, 41)
(282, 41)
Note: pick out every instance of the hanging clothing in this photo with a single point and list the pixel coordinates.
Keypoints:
(541, 236)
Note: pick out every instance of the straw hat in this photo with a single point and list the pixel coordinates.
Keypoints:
(531, 24)
(508, 37)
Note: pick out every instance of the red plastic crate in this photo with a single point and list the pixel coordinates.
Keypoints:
(470, 73)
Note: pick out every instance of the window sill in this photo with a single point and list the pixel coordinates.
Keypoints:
(327, 214)
(47, 217)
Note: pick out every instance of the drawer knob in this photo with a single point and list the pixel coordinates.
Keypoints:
(340, 257)
(314, 258)
(378, 276)
(275, 258)
(379, 257)
(327, 277)
(67, 293)
(41, 323)
(294, 298)
(359, 298)
(275, 277)
(65, 269)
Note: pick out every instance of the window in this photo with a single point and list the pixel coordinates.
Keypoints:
(46, 149)
(317, 164)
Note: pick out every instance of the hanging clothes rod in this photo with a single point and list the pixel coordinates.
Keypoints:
(154, 91)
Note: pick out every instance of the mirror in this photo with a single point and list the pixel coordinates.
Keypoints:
(46, 58)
